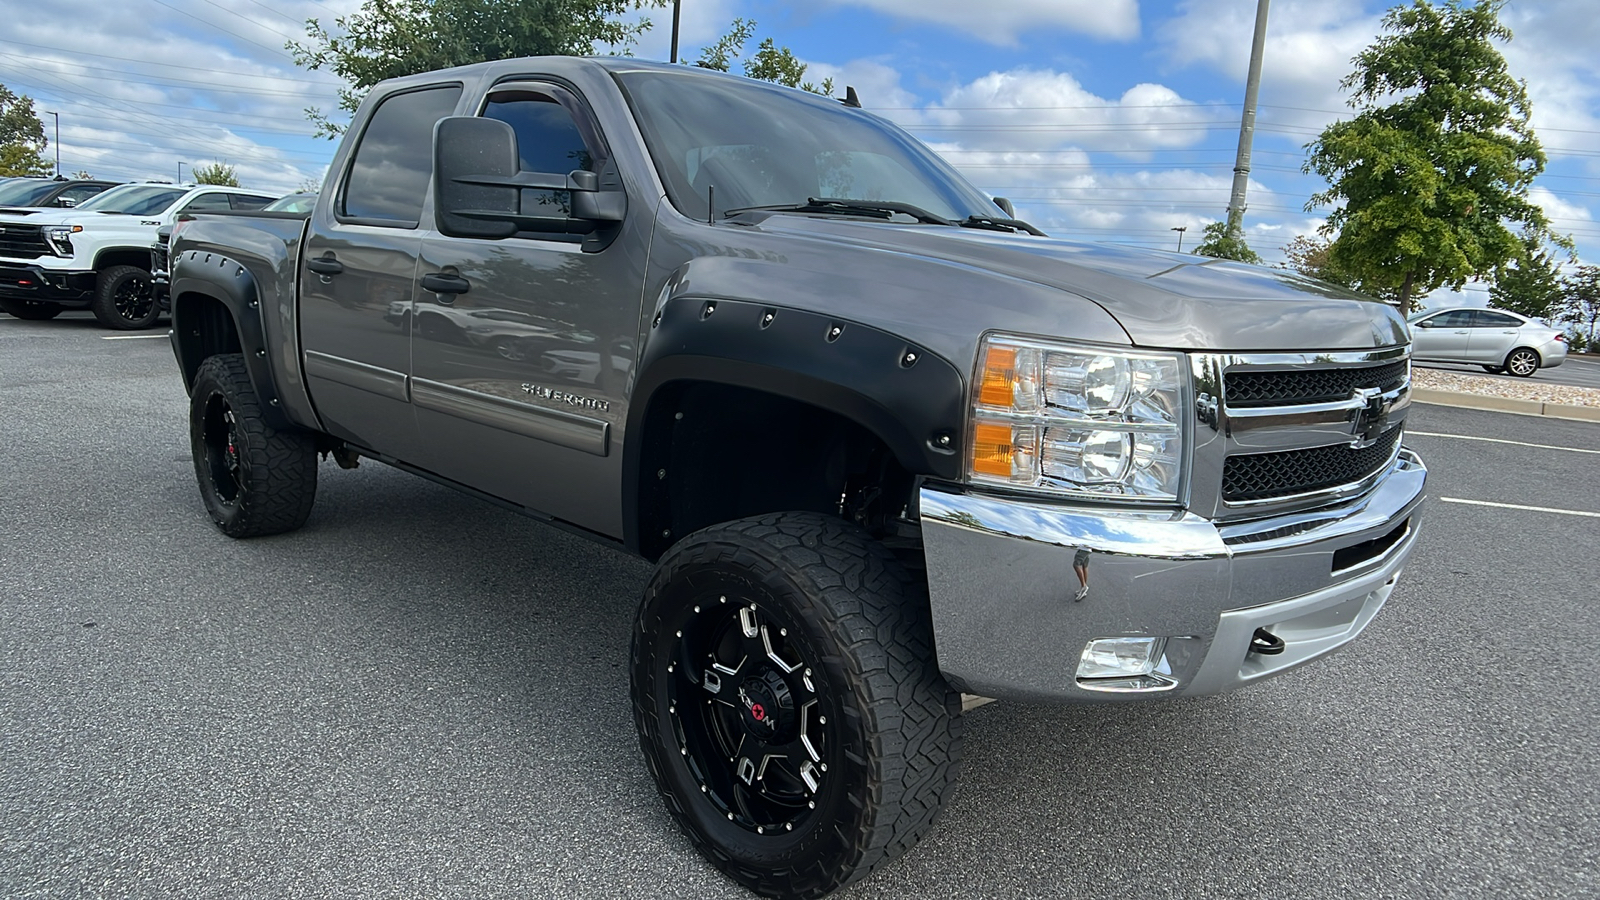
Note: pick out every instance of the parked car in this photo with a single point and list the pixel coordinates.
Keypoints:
(28, 195)
(97, 256)
(1498, 340)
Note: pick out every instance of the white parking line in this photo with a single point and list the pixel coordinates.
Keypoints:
(130, 337)
(1543, 509)
(1465, 437)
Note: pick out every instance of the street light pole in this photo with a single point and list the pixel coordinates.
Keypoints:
(675, 11)
(1180, 230)
(1247, 123)
(58, 142)
(180, 173)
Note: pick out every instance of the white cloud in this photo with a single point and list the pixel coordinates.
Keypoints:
(1005, 21)
(1563, 213)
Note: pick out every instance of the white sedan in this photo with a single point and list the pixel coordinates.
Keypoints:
(1499, 341)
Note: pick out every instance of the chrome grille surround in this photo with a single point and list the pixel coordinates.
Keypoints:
(1275, 427)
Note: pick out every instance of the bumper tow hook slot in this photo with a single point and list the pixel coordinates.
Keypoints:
(1266, 643)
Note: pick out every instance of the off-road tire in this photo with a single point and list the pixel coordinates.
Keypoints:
(35, 310)
(1523, 362)
(125, 299)
(255, 480)
(887, 721)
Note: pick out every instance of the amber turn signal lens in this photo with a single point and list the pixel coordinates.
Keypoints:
(991, 449)
(999, 374)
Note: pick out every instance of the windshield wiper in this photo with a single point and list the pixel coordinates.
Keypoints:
(878, 209)
(1000, 223)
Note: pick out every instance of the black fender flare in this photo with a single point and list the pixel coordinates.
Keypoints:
(228, 282)
(913, 400)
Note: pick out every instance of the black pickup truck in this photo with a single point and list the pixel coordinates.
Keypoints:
(885, 443)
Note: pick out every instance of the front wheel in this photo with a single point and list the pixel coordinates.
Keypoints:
(37, 310)
(1522, 362)
(788, 702)
(255, 480)
(125, 298)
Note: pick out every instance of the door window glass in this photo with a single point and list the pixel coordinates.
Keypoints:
(548, 141)
(207, 201)
(394, 160)
(1496, 320)
(75, 195)
(248, 201)
(1456, 318)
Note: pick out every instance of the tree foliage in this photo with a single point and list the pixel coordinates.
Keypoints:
(391, 38)
(769, 63)
(1222, 242)
(1581, 300)
(22, 139)
(1533, 286)
(215, 173)
(1313, 258)
(1423, 189)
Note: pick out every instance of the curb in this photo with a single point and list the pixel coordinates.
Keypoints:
(1506, 404)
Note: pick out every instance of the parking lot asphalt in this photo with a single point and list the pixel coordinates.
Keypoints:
(419, 694)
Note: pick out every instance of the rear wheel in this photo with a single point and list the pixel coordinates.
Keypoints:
(1522, 362)
(31, 309)
(254, 479)
(125, 298)
(788, 702)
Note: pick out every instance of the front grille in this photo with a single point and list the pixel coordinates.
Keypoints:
(23, 242)
(1255, 389)
(158, 258)
(1261, 476)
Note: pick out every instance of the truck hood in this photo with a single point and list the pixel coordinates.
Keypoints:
(1161, 299)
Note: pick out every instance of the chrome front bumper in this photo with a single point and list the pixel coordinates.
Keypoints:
(1002, 586)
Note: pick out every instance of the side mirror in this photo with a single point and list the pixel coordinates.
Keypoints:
(1005, 206)
(67, 202)
(480, 192)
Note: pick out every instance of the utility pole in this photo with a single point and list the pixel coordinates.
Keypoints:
(675, 11)
(1180, 230)
(1247, 124)
(58, 142)
(180, 172)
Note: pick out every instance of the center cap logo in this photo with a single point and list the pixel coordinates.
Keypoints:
(756, 710)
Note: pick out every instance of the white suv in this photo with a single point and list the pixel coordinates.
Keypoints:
(97, 256)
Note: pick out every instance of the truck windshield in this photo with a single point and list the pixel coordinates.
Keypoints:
(25, 192)
(763, 145)
(135, 200)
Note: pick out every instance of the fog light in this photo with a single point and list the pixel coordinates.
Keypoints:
(1125, 664)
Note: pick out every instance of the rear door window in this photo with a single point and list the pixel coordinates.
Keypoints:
(393, 162)
(206, 202)
(1488, 319)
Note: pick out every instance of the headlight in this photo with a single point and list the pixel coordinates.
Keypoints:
(1078, 420)
(59, 237)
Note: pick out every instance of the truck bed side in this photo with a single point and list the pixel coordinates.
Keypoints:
(234, 291)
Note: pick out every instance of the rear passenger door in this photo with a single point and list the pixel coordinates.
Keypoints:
(1493, 336)
(358, 268)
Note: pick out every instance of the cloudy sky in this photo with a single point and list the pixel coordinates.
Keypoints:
(1104, 120)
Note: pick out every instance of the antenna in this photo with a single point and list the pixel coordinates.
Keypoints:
(711, 204)
(850, 98)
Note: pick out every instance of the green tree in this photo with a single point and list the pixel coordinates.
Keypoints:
(1581, 300)
(1312, 257)
(22, 139)
(1533, 286)
(391, 38)
(769, 63)
(83, 174)
(1224, 243)
(215, 173)
(1423, 189)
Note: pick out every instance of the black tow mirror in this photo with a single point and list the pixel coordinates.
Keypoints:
(1006, 207)
(480, 192)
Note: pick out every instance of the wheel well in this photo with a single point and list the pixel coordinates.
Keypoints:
(127, 256)
(716, 452)
(203, 327)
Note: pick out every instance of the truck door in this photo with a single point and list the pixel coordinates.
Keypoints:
(358, 270)
(524, 347)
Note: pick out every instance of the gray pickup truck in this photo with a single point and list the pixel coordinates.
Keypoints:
(885, 443)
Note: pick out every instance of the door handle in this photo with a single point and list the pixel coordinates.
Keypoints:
(440, 283)
(326, 265)
(1463, 332)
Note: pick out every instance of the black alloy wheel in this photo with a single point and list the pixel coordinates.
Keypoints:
(35, 310)
(1522, 362)
(788, 702)
(254, 479)
(125, 299)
